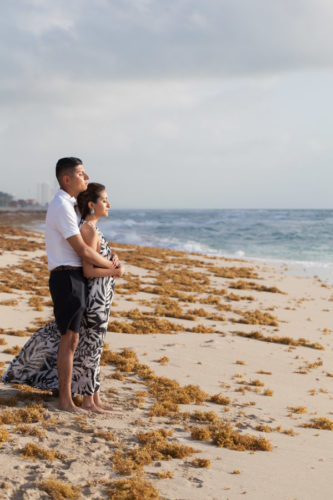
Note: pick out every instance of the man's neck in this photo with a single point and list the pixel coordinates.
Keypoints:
(69, 191)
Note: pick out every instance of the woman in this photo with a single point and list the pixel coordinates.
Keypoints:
(36, 364)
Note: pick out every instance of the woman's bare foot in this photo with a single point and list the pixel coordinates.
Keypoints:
(70, 408)
(103, 406)
(88, 404)
(93, 408)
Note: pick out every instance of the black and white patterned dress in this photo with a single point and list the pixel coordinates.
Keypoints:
(36, 364)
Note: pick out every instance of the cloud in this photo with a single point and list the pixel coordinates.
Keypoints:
(156, 39)
(42, 19)
(171, 103)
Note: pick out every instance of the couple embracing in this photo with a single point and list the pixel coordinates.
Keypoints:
(65, 353)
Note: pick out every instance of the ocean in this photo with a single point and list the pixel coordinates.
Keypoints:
(301, 239)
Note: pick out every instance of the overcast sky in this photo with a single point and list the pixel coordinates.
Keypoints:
(171, 103)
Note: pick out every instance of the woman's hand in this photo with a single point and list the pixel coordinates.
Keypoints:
(119, 271)
(115, 260)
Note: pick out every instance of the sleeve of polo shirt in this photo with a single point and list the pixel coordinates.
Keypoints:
(66, 221)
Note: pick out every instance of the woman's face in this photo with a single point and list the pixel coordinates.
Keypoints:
(102, 205)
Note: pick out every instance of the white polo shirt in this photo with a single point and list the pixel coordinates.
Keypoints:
(61, 223)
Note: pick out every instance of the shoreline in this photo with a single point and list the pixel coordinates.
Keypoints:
(29, 219)
(321, 270)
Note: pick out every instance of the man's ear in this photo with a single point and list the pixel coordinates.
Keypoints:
(65, 180)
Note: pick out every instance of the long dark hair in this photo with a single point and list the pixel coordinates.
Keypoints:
(90, 194)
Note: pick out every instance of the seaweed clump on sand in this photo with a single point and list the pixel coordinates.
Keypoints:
(169, 394)
(251, 285)
(18, 281)
(33, 451)
(171, 308)
(36, 303)
(183, 280)
(4, 435)
(24, 393)
(201, 329)
(21, 244)
(17, 333)
(233, 272)
(280, 340)
(164, 360)
(323, 423)
(201, 416)
(29, 415)
(180, 283)
(130, 284)
(201, 462)
(143, 257)
(144, 326)
(12, 350)
(29, 430)
(134, 488)
(154, 445)
(237, 298)
(223, 435)
(59, 490)
(12, 302)
(256, 318)
(219, 399)
(263, 428)
(297, 409)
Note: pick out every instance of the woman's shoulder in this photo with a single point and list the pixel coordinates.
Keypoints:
(85, 227)
(88, 232)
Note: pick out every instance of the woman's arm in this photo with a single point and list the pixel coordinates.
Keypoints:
(91, 238)
(90, 271)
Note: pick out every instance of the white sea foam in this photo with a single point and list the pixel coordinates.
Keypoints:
(300, 240)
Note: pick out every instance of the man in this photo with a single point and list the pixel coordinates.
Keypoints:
(65, 250)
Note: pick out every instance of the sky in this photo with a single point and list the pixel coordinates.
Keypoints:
(171, 104)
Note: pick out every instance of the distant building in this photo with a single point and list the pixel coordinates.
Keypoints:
(21, 203)
(44, 193)
(5, 199)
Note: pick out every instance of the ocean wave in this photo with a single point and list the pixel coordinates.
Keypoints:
(161, 224)
(193, 246)
(296, 238)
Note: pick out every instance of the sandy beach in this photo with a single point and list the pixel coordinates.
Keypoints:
(220, 372)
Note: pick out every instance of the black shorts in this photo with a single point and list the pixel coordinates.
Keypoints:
(69, 294)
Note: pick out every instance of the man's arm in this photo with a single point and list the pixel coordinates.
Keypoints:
(89, 254)
(91, 239)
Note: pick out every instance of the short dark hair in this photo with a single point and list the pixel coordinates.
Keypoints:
(90, 194)
(66, 166)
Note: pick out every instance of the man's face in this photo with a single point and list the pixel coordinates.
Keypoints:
(79, 180)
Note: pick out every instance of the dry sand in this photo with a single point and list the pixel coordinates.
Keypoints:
(271, 387)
